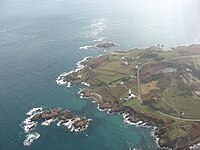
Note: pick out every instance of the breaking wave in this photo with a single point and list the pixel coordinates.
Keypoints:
(30, 138)
(85, 47)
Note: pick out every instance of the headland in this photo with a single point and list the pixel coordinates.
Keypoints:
(149, 87)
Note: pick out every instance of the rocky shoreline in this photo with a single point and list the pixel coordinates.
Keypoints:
(139, 120)
(46, 116)
(131, 116)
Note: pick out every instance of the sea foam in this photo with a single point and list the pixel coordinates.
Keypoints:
(48, 122)
(85, 47)
(195, 147)
(34, 111)
(61, 79)
(30, 138)
(99, 39)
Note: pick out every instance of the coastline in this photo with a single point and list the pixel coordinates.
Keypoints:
(130, 116)
(126, 120)
(124, 115)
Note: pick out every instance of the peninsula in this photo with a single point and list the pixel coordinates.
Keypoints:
(148, 86)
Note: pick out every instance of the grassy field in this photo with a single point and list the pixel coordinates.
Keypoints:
(112, 70)
(116, 66)
(136, 105)
(167, 54)
(134, 88)
(187, 107)
(171, 102)
(110, 78)
(197, 59)
(119, 92)
(175, 130)
(106, 72)
(145, 88)
(166, 107)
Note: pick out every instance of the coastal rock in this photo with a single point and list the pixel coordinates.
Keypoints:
(47, 116)
(163, 142)
(105, 105)
(133, 119)
(67, 116)
(50, 114)
(36, 117)
(80, 124)
(65, 112)
(116, 109)
(106, 45)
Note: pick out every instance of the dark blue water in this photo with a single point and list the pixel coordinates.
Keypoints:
(41, 39)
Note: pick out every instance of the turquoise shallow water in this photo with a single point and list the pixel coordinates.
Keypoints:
(41, 39)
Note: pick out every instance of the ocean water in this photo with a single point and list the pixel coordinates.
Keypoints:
(40, 39)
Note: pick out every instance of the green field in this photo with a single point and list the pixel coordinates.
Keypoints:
(138, 106)
(110, 78)
(106, 72)
(116, 66)
(112, 71)
(184, 106)
(197, 59)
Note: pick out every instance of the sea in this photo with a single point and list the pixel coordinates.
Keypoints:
(40, 39)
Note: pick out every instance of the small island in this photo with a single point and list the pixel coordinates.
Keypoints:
(150, 87)
(106, 45)
(102, 45)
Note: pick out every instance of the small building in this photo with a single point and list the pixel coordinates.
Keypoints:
(130, 95)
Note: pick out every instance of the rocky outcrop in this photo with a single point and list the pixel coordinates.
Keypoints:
(46, 116)
(106, 45)
(63, 117)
